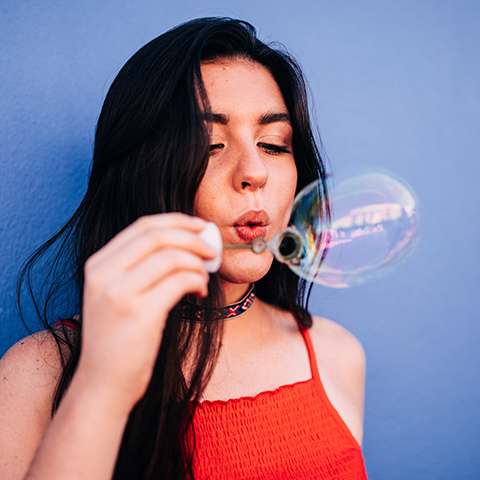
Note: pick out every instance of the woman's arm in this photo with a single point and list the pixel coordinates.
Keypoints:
(82, 440)
(131, 284)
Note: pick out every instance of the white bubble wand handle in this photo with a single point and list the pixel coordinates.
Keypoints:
(211, 236)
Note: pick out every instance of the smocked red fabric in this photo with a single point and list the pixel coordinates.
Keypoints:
(293, 432)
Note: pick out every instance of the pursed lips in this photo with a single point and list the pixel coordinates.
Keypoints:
(251, 225)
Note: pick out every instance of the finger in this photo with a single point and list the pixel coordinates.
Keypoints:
(110, 264)
(155, 268)
(144, 226)
(173, 288)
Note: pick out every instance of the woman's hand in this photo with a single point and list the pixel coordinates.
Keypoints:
(131, 285)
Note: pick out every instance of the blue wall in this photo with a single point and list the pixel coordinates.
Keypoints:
(396, 86)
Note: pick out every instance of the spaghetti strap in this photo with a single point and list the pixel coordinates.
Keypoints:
(311, 353)
(68, 322)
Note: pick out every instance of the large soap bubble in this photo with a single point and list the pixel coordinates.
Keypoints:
(374, 227)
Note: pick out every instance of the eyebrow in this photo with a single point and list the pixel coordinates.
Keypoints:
(264, 119)
(218, 118)
(274, 117)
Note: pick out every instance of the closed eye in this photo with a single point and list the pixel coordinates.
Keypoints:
(215, 148)
(273, 149)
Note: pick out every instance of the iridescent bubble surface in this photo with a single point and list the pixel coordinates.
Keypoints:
(374, 227)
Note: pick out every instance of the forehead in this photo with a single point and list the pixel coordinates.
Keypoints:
(240, 85)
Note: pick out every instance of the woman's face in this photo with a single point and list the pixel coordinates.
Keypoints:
(251, 177)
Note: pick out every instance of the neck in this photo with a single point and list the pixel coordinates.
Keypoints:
(233, 292)
(255, 322)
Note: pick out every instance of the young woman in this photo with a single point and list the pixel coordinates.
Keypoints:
(160, 369)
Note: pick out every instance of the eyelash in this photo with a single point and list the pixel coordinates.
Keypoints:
(269, 147)
(216, 146)
(274, 149)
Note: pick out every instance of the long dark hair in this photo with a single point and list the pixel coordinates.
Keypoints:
(151, 151)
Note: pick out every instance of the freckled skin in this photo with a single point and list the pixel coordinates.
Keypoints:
(244, 173)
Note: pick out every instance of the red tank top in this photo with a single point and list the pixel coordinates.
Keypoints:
(293, 432)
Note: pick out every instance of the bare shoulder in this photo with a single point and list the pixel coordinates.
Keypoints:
(29, 373)
(341, 363)
(332, 341)
(33, 362)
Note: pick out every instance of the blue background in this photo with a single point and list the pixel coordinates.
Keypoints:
(396, 85)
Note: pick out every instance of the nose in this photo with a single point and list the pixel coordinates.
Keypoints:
(251, 172)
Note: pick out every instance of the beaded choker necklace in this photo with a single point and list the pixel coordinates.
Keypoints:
(189, 311)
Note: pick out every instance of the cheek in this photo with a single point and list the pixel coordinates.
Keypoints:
(200, 205)
(205, 203)
(206, 196)
(287, 189)
(202, 195)
(292, 184)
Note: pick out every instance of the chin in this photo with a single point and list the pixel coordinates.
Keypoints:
(246, 268)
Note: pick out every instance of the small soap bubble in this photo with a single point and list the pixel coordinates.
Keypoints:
(374, 227)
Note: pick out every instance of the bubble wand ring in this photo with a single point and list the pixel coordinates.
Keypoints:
(286, 245)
